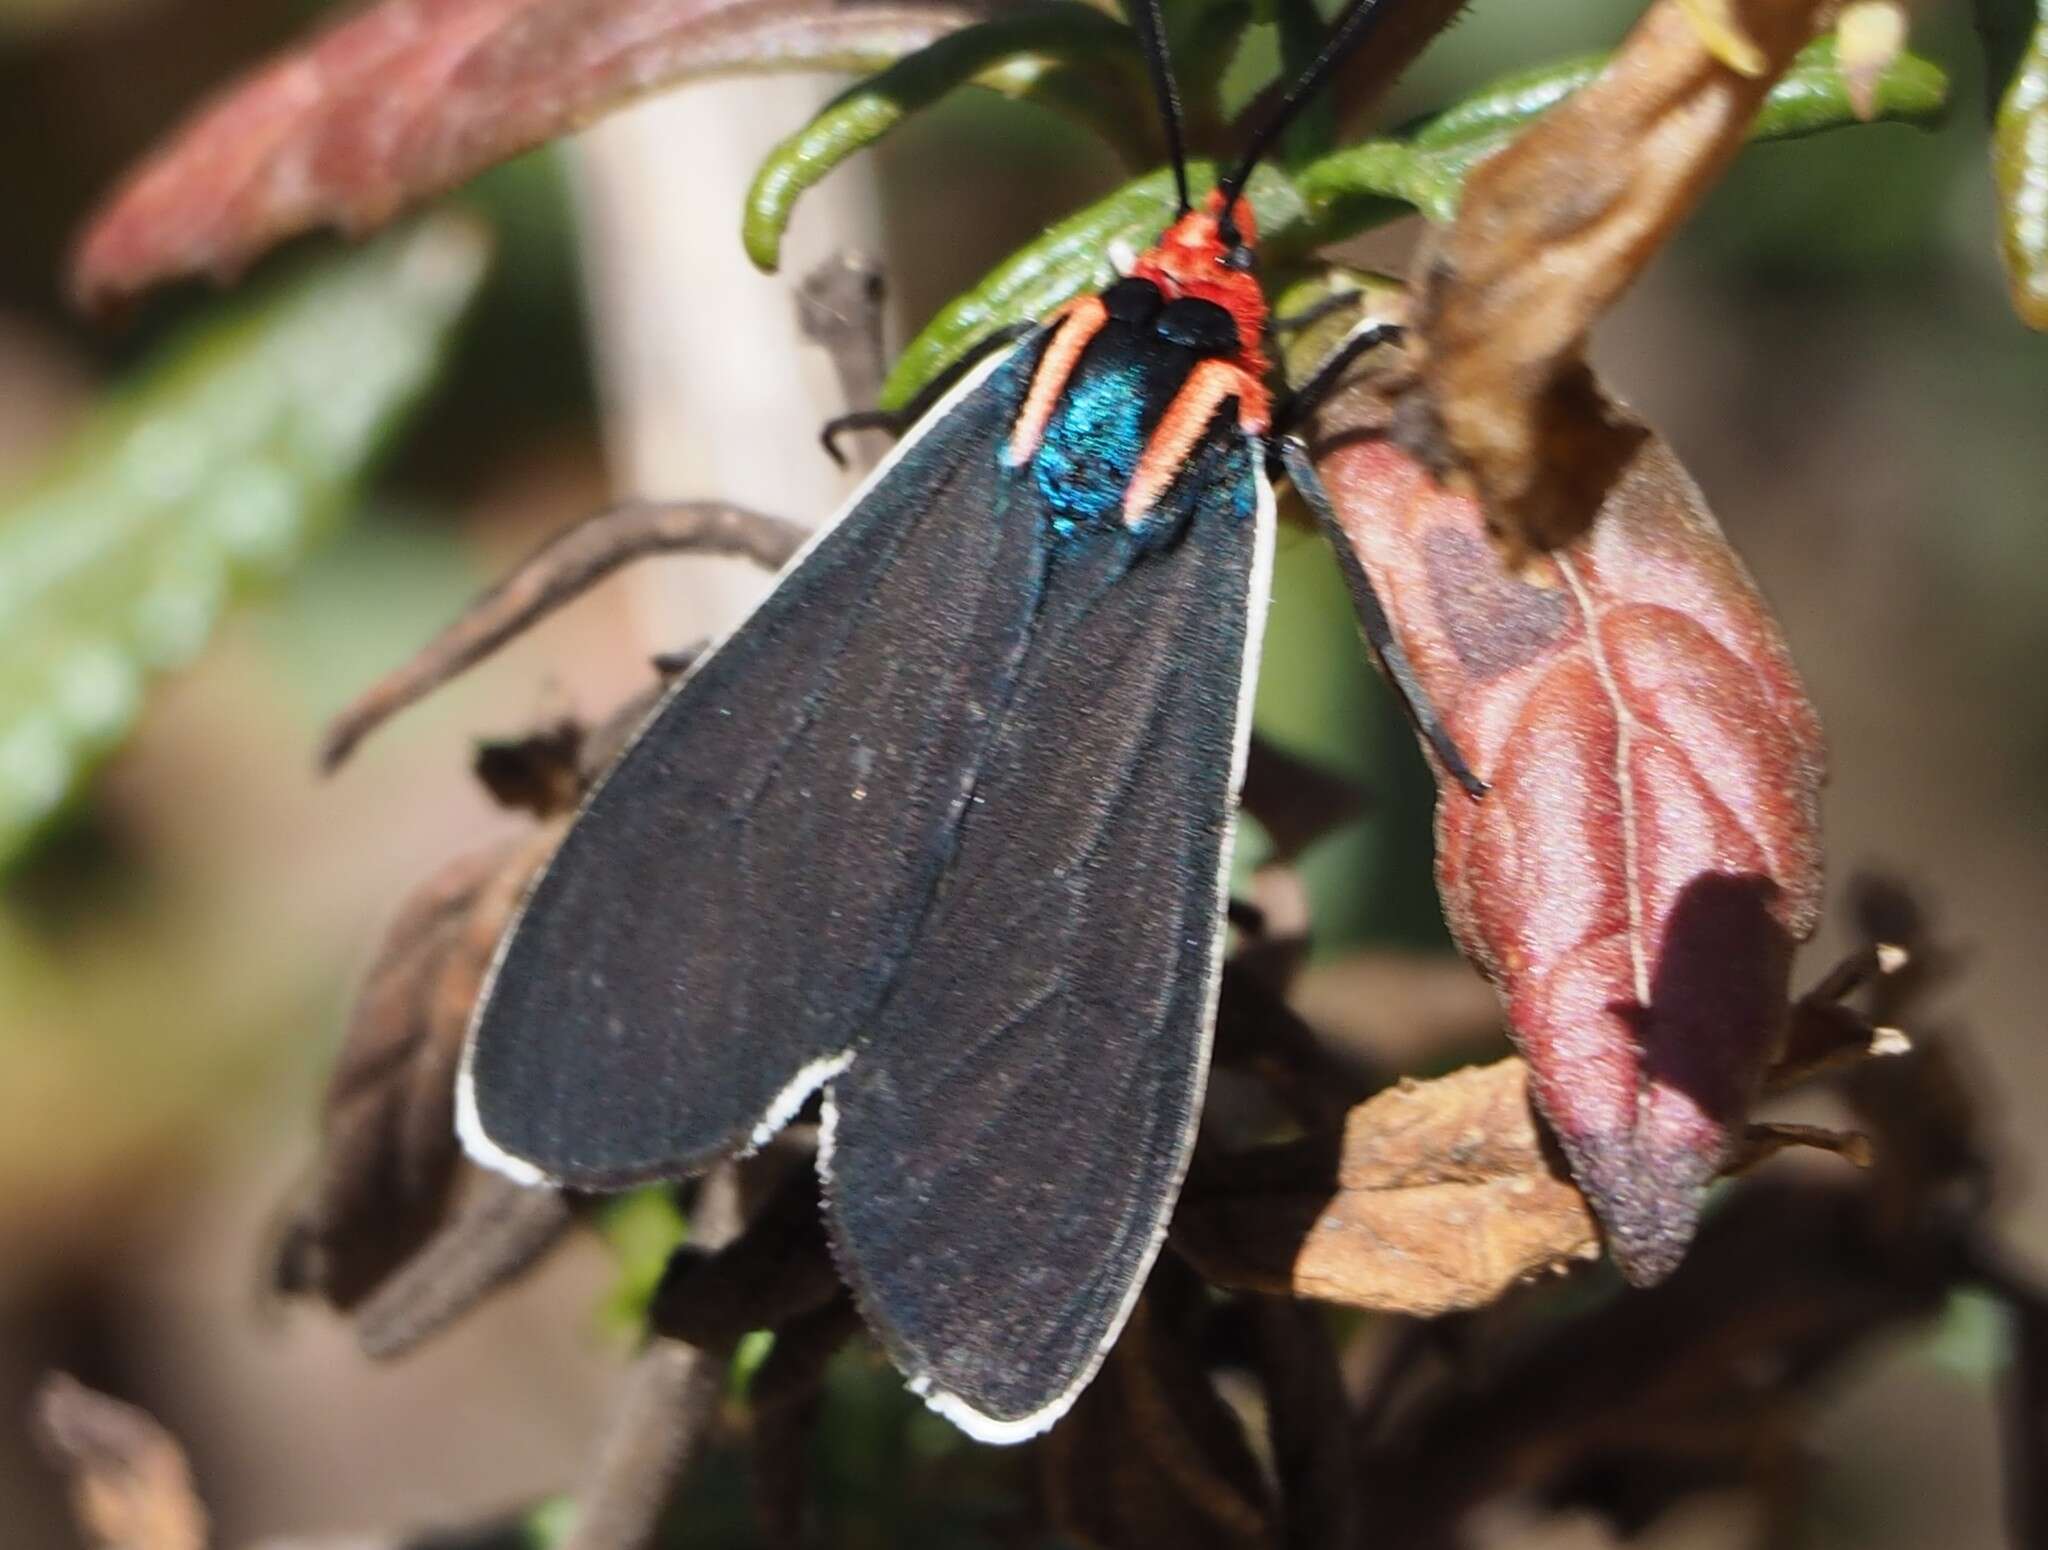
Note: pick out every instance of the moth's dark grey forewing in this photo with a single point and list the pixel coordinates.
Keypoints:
(1008, 1146)
(727, 909)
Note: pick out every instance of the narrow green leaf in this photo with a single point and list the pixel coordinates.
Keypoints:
(2019, 165)
(1075, 256)
(1314, 130)
(1351, 189)
(1508, 104)
(1204, 38)
(1011, 54)
(1375, 181)
(215, 470)
(1361, 186)
(1813, 95)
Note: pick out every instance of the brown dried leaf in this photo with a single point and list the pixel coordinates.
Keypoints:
(130, 1485)
(1649, 854)
(388, 1152)
(1549, 234)
(1788, 1285)
(412, 97)
(1630, 1406)
(1438, 1196)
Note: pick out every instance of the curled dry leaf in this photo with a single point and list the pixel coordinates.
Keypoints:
(1636, 879)
(131, 1488)
(1549, 233)
(388, 1151)
(411, 97)
(1435, 1197)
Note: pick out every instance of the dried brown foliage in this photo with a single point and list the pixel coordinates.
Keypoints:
(411, 97)
(1550, 232)
(387, 1168)
(1431, 1198)
(1649, 853)
(1421, 1199)
(131, 1488)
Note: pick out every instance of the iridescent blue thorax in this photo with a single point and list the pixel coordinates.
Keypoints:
(1091, 448)
(1118, 393)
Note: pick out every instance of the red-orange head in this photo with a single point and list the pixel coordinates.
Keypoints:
(1195, 257)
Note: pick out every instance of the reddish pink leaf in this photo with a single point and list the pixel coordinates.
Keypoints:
(412, 97)
(1649, 855)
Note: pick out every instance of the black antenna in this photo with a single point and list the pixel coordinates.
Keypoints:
(1150, 25)
(1349, 32)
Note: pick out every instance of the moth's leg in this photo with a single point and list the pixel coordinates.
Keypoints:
(1307, 398)
(897, 421)
(561, 569)
(1295, 462)
(1315, 312)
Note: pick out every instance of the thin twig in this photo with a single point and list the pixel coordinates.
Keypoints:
(1309, 1424)
(1767, 1139)
(784, 1398)
(561, 569)
(659, 1425)
(501, 1231)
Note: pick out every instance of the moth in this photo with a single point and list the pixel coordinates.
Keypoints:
(939, 834)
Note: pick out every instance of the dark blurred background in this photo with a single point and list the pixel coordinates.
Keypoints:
(1828, 347)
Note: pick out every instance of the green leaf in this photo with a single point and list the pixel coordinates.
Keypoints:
(1074, 257)
(644, 1228)
(1314, 130)
(1813, 95)
(2019, 165)
(754, 1348)
(214, 471)
(1018, 55)
(1353, 188)
(1358, 187)
(548, 1524)
(1973, 1339)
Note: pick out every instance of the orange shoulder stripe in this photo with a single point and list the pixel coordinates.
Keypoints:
(1208, 386)
(1080, 321)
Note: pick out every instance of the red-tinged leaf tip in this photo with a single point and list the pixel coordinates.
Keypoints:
(411, 97)
(1648, 857)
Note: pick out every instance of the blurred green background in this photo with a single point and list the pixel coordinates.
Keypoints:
(1828, 347)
